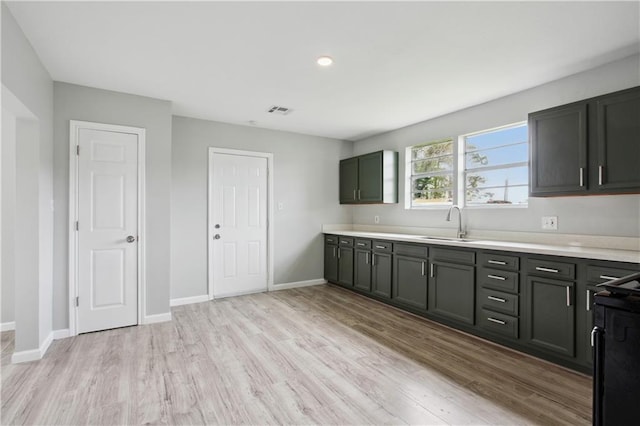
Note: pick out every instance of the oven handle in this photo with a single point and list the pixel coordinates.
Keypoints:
(597, 341)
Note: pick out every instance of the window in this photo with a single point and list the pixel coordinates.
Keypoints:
(484, 168)
(432, 171)
(497, 166)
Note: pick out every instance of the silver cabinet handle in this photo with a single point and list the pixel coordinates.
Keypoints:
(568, 296)
(344, 242)
(496, 277)
(581, 176)
(608, 277)
(423, 268)
(593, 335)
(359, 195)
(600, 173)
(354, 194)
(540, 268)
(366, 259)
(496, 262)
(373, 259)
(497, 321)
(361, 244)
(588, 300)
(380, 247)
(338, 253)
(497, 299)
(433, 270)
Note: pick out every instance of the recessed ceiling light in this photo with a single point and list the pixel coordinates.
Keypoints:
(324, 61)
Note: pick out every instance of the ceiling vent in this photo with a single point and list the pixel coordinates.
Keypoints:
(279, 110)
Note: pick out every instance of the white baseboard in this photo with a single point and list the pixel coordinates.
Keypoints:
(8, 326)
(63, 333)
(239, 293)
(152, 319)
(189, 300)
(296, 284)
(34, 354)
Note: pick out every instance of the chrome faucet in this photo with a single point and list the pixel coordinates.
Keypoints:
(461, 233)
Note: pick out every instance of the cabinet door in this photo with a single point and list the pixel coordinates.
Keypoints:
(370, 178)
(348, 180)
(551, 315)
(381, 274)
(558, 150)
(618, 141)
(452, 291)
(410, 281)
(345, 266)
(331, 263)
(362, 270)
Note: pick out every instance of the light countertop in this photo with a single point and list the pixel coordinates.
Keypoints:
(581, 252)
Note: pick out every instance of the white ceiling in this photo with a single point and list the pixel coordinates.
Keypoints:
(395, 63)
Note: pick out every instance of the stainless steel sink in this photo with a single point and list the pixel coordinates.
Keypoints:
(461, 240)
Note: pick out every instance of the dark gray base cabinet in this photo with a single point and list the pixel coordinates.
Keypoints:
(410, 281)
(452, 291)
(538, 304)
(551, 315)
(381, 274)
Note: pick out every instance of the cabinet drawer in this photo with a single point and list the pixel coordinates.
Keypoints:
(343, 241)
(499, 323)
(363, 244)
(411, 250)
(499, 261)
(601, 274)
(499, 280)
(460, 256)
(551, 269)
(331, 239)
(382, 246)
(499, 301)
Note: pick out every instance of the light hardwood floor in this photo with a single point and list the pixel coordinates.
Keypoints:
(316, 355)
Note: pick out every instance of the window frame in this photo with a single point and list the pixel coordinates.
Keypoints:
(459, 171)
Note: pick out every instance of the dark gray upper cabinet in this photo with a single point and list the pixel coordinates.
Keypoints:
(618, 142)
(369, 179)
(559, 150)
(587, 147)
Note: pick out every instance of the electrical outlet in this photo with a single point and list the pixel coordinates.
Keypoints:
(281, 206)
(549, 222)
(376, 219)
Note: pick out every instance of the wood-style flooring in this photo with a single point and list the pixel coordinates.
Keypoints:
(315, 355)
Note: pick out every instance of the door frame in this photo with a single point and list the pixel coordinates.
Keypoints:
(74, 128)
(270, 203)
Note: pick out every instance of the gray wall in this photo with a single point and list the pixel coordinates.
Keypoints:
(305, 180)
(25, 77)
(596, 215)
(8, 215)
(74, 102)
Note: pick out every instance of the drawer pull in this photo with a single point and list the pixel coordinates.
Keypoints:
(497, 299)
(497, 321)
(361, 244)
(366, 258)
(381, 247)
(588, 300)
(540, 268)
(496, 277)
(344, 242)
(568, 296)
(373, 259)
(496, 262)
(608, 277)
(433, 270)
(423, 268)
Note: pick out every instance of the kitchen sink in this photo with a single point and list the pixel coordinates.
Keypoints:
(461, 240)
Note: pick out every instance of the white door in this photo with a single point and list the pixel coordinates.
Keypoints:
(239, 224)
(107, 230)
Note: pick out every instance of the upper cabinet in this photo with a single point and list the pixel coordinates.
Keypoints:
(587, 147)
(369, 179)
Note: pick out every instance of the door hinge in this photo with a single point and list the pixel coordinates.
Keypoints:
(77, 225)
(77, 301)
(77, 149)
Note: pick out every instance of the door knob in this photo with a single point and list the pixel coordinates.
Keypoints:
(131, 239)
(217, 226)
(216, 237)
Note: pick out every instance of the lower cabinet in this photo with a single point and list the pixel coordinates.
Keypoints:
(345, 266)
(362, 270)
(452, 291)
(381, 274)
(551, 324)
(410, 281)
(331, 259)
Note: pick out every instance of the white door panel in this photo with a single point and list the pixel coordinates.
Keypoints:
(107, 215)
(239, 207)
